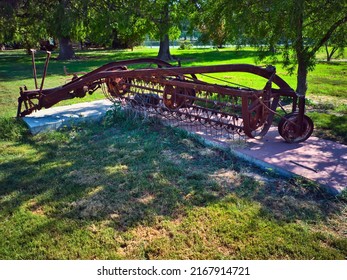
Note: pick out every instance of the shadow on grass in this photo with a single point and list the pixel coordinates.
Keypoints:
(138, 174)
(131, 175)
(330, 126)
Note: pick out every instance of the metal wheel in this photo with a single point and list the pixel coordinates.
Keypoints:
(292, 132)
(173, 99)
(118, 86)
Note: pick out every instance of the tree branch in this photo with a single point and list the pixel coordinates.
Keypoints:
(327, 35)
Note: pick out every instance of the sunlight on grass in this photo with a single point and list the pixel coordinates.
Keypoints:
(119, 168)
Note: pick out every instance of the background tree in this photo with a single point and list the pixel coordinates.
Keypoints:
(67, 22)
(18, 25)
(31, 21)
(163, 19)
(299, 28)
(209, 17)
(7, 16)
(116, 23)
(336, 43)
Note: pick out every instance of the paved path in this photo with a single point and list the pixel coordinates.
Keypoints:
(319, 160)
(57, 117)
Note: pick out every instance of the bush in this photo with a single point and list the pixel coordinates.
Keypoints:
(185, 45)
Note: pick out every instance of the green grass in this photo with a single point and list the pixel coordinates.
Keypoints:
(133, 189)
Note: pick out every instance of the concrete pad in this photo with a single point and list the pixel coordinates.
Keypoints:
(58, 117)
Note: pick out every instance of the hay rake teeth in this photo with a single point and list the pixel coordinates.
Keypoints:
(178, 93)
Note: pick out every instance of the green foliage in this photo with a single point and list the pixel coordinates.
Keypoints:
(12, 129)
(17, 23)
(330, 126)
(299, 27)
(67, 18)
(211, 19)
(185, 45)
(336, 43)
(121, 22)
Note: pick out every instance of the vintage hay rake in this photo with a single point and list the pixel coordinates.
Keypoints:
(157, 87)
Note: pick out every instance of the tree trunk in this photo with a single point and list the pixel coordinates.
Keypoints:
(164, 49)
(66, 51)
(301, 87)
(331, 53)
(301, 53)
(327, 52)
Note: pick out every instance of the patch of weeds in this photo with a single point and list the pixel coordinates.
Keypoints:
(12, 129)
(341, 109)
(323, 106)
(129, 118)
(343, 195)
(330, 126)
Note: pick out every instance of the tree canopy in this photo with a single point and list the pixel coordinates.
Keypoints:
(295, 28)
(299, 28)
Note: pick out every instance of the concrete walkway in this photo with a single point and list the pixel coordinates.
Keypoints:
(58, 117)
(316, 159)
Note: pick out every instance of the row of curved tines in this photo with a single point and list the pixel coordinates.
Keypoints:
(212, 110)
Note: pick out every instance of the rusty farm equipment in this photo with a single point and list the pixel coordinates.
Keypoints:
(174, 92)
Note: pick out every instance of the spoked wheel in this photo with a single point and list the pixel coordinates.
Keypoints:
(118, 86)
(291, 131)
(177, 97)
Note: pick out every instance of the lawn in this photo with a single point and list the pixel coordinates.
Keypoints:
(129, 188)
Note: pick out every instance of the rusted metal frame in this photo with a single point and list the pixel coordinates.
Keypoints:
(219, 89)
(197, 117)
(56, 94)
(175, 71)
(247, 110)
(26, 97)
(112, 65)
(224, 90)
(272, 109)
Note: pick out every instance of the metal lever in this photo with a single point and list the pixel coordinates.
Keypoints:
(45, 71)
(34, 66)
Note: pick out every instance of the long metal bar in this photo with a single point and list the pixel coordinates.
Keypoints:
(44, 72)
(34, 66)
